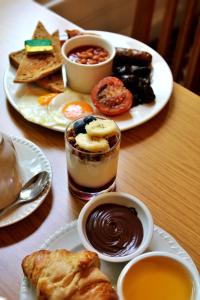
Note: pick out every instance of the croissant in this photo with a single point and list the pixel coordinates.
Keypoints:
(65, 275)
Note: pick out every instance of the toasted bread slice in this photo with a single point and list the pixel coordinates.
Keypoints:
(16, 58)
(38, 66)
(40, 32)
(52, 83)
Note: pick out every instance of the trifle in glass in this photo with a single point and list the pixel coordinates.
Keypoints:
(92, 151)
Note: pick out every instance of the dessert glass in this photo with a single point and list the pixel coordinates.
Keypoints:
(91, 173)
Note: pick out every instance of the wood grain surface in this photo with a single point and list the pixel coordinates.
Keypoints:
(159, 161)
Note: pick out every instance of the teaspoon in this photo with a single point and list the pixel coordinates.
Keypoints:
(30, 190)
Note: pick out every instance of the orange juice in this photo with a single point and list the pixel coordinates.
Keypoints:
(157, 278)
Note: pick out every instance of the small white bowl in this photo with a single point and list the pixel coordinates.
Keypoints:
(82, 77)
(124, 199)
(191, 270)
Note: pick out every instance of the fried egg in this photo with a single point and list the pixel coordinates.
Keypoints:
(29, 106)
(70, 105)
(50, 109)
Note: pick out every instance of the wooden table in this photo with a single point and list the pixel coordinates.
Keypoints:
(159, 160)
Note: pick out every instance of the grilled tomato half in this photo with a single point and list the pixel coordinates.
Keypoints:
(111, 97)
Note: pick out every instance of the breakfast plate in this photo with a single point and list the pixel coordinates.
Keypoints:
(24, 97)
(31, 160)
(67, 237)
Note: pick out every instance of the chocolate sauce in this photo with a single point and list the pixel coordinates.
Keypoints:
(114, 229)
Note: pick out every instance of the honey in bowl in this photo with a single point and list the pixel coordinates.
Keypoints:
(156, 278)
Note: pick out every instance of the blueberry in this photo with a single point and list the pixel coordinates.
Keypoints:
(79, 127)
(89, 119)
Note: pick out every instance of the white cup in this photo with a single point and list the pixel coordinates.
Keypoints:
(83, 77)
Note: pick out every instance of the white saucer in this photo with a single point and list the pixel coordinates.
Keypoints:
(31, 161)
(67, 237)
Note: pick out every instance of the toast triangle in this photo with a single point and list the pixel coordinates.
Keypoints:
(38, 66)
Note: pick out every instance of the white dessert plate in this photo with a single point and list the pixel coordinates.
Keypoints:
(31, 161)
(23, 97)
(67, 237)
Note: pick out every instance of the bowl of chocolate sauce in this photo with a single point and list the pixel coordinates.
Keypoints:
(117, 226)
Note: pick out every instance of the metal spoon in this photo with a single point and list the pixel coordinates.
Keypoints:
(30, 190)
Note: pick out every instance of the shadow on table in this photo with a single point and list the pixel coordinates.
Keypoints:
(149, 128)
(19, 231)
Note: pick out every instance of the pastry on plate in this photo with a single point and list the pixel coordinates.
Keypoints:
(66, 275)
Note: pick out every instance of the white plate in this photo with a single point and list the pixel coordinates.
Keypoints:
(162, 84)
(67, 237)
(31, 161)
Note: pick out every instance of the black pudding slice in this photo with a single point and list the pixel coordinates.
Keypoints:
(89, 119)
(79, 127)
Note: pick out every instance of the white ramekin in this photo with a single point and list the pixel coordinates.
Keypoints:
(125, 199)
(191, 270)
(82, 78)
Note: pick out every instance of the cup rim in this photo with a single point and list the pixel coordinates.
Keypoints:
(93, 153)
(95, 202)
(192, 271)
(82, 37)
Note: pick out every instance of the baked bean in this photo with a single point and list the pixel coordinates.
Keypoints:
(88, 55)
(84, 55)
(90, 50)
(83, 61)
(102, 54)
(95, 57)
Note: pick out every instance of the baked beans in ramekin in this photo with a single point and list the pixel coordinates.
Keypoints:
(88, 59)
(88, 55)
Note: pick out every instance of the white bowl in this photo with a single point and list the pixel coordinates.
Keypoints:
(191, 270)
(82, 78)
(125, 199)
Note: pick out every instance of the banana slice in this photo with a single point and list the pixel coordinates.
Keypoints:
(92, 144)
(101, 128)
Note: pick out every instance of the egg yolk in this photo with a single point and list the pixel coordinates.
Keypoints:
(76, 109)
(46, 99)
